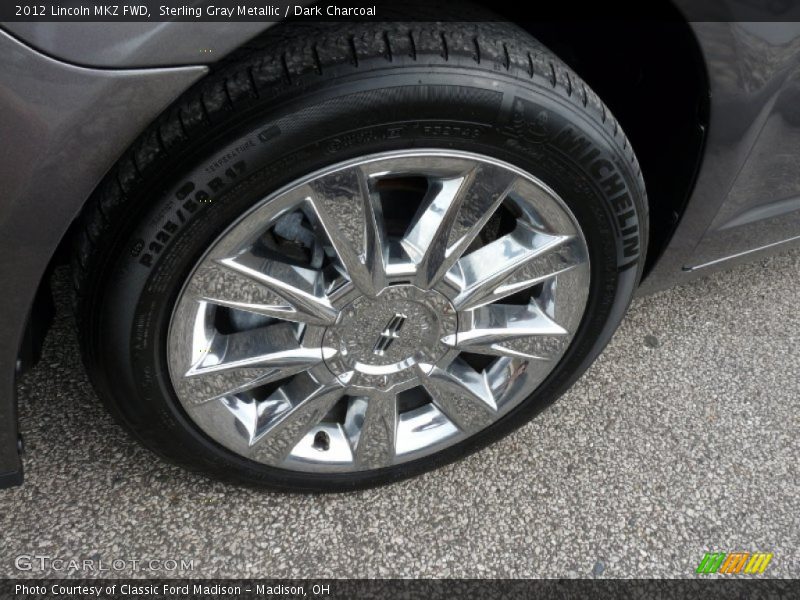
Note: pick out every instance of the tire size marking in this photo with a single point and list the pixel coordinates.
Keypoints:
(191, 197)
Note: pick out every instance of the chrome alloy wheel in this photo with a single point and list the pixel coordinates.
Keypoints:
(378, 311)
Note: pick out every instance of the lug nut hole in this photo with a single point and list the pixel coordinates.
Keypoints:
(322, 441)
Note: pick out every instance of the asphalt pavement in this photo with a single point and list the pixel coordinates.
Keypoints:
(683, 437)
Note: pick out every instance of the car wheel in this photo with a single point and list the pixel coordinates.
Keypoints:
(356, 252)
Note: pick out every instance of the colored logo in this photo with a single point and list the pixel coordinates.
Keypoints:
(734, 563)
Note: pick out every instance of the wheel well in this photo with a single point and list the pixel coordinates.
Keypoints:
(652, 76)
(650, 72)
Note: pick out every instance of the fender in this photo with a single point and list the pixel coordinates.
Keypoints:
(120, 45)
(44, 133)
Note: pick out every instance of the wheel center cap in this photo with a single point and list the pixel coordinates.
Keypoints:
(379, 341)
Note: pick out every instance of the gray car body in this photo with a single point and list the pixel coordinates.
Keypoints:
(65, 86)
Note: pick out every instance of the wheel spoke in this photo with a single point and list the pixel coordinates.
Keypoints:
(240, 361)
(455, 210)
(515, 331)
(282, 422)
(462, 394)
(265, 287)
(377, 245)
(514, 262)
(351, 218)
(563, 297)
(376, 440)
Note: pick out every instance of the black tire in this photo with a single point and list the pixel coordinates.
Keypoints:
(305, 98)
